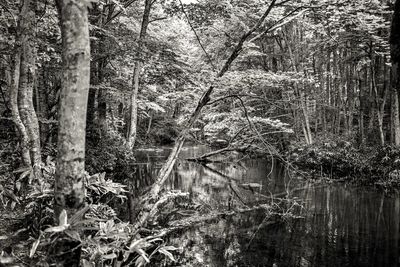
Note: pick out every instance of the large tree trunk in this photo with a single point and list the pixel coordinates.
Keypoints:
(27, 80)
(133, 108)
(395, 57)
(70, 170)
(69, 188)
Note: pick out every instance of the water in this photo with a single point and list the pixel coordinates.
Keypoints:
(341, 225)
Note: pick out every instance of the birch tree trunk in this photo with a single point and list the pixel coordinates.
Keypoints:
(133, 108)
(70, 168)
(27, 81)
(69, 188)
(15, 74)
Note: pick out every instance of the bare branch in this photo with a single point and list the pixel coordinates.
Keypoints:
(280, 23)
(126, 5)
(157, 19)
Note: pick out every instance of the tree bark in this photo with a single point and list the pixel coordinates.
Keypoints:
(27, 81)
(69, 187)
(15, 74)
(395, 58)
(380, 104)
(133, 108)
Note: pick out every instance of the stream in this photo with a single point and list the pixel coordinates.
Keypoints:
(340, 226)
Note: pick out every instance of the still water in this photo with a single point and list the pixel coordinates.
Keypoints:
(340, 225)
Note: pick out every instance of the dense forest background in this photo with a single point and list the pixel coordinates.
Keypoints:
(85, 83)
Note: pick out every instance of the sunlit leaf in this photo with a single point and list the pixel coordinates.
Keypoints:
(34, 247)
(56, 229)
(63, 219)
(166, 253)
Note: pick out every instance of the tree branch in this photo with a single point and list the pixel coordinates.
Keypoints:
(280, 23)
(228, 148)
(126, 5)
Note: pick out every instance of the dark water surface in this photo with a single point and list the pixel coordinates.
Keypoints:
(342, 225)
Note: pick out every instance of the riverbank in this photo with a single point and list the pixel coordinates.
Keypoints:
(341, 160)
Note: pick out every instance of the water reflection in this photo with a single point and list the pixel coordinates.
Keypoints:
(342, 226)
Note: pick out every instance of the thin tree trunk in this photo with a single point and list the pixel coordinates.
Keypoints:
(380, 105)
(300, 95)
(395, 58)
(150, 122)
(307, 127)
(361, 112)
(133, 109)
(15, 74)
(26, 81)
(351, 100)
(395, 118)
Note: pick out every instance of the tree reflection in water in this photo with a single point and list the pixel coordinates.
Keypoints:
(342, 225)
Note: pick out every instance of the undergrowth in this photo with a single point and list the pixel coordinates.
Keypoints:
(341, 159)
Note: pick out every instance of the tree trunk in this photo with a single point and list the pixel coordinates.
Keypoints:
(300, 95)
(27, 80)
(395, 57)
(133, 108)
(69, 188)
(361, 112)
(150, 122)
(70, 170)
(380, 104)
(15, 74)
(102, 112)
(395, 118)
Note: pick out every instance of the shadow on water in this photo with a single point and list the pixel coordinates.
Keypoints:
(341, 225)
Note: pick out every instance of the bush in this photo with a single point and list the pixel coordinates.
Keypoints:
(109, 154)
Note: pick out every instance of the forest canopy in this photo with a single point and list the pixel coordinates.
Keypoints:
(85, 84)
